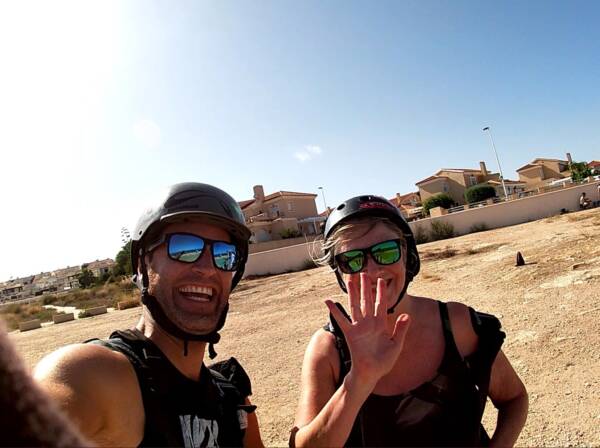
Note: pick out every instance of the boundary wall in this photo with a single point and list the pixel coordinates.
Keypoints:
(514, 212)
(285, 259)
(277, 244)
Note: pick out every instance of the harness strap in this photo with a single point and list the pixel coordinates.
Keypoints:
(451, 352)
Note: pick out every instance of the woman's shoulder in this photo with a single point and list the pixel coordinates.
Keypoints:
(464, 330)
(322, 352)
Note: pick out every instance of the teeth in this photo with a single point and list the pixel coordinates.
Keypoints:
(197, 290)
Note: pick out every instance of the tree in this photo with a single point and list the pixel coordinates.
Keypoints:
(478, 193)
(86, 278)
(123, 261)
(438, 200)
(579, 171)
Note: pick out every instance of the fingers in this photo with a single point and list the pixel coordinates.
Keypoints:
(354, 298)
(401, 329)
(381, 300)
(339, 317)
(367, 303)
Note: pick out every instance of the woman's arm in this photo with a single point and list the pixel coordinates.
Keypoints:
(326, 415)
(510, 398)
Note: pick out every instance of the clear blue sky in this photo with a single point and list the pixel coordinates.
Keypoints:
(106, 103)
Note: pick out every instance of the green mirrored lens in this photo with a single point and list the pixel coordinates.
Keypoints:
(387, 252)
(352, 260)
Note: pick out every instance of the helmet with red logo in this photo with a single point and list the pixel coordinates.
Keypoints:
(375, 206)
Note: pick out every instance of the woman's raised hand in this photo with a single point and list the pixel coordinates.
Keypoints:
(374, 349)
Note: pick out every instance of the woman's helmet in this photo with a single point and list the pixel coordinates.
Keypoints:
(187, 200)
(375, 206)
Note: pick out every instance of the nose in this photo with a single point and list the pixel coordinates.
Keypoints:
(204, 263)
(373, 270)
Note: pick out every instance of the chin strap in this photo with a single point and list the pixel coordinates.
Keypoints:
(400, 297)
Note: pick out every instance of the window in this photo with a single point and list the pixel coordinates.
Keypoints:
(472, 180)
(290, 206)
(445, 188)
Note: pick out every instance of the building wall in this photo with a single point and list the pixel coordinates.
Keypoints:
(552, 171)
(532, 176)
(271, 245)
(514, 212)
(458, 183)
(432, 188)
(301, 207)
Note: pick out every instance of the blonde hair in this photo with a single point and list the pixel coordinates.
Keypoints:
(351, 229)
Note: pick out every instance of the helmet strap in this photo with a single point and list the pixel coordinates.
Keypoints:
(409, 278)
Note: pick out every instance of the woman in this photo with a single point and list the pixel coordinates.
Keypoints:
(401, 369)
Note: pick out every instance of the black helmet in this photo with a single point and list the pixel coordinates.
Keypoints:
(188, 200)
(377, 206)
(182, 201)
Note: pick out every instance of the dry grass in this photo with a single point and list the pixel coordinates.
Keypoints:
(439, 255)
(15, 313)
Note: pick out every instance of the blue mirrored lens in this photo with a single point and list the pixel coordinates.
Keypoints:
(225, 255)
(186, 248)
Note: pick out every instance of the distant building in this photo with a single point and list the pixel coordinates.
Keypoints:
(409, 204)
(542, 171)
(454, 182)
(280, 214)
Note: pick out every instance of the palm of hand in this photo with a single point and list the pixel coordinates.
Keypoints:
(374, 349)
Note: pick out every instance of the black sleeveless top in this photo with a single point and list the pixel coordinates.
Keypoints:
(445, 411)
(179, 411)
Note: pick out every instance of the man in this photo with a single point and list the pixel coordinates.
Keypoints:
(584, 202)
(149, 386)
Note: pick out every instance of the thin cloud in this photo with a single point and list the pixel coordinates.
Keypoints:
(314, 150)
(309, 152)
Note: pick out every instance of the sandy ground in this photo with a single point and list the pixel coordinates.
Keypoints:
(549, 309)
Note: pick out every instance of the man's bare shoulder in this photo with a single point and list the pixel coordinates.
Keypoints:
(97, 387)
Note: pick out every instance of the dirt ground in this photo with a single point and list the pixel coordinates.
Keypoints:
(549, 309)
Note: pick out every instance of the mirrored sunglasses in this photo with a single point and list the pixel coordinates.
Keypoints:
(188, 248)
(384, 253)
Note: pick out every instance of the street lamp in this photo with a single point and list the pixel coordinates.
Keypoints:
(487, 128)
(324, 202)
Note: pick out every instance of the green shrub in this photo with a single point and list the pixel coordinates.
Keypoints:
(579, 171)
(478, 193)
(420, 235)
(289, 233)
(123, 261)
(479, 227)
(441, 230)
(438, 200)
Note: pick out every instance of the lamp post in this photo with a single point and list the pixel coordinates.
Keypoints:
(323, 193)
(487, 128)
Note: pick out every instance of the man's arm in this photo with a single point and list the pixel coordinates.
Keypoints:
(252, 437)
(98, 390)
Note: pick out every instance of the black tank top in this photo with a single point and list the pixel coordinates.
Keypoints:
(445, 411)
(179, 411)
